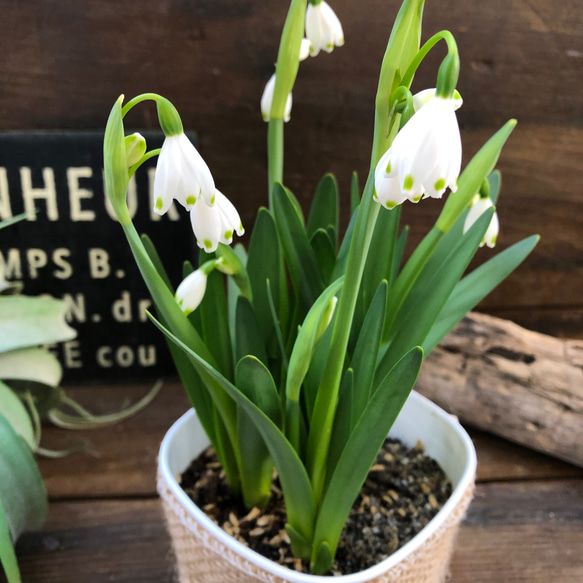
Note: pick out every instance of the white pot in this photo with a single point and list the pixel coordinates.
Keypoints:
(207, 554)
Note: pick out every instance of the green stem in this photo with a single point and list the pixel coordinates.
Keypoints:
(274, 156)
(424, 50)
(139, 99)
(327, 397)
(145, 158)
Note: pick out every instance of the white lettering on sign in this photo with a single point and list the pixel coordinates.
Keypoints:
(36, 259)
(75, 308)
(99, 263)
(48, 193)
(72, 354)
(5, 208)
(10, 265)
(77, 194)
(65, 270)
(121, 310)
(125, 356)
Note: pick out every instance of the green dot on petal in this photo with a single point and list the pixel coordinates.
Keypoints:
(409, 181)
(207, 243)
(190, 199)
(330, 46)
(388, 170)
(159, 204)
(187, 312)
(213, 199)
(418, 198)
(390, 205)
(228, 234)
(440, 184)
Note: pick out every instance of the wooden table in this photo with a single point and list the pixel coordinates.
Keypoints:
(105, 524)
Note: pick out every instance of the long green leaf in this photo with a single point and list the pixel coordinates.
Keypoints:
(325, 253)
(398, 257)
(354, 193)
(248, 338)
(300, 503)
(324, 211)
(155, 258)
(360, 452)
(430, 292)
(473, 288)
(298, 253)
(342, 259)
(256, 383)
(30, 321)
(495, 182)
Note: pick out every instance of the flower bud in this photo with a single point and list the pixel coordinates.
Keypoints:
(135, 148)
(169, 118)
(190, 292)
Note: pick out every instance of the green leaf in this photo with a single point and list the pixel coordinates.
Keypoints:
(431, 290)
(31, 364)
(300, 503)
(473, 288)
(324, 211)
(342, 259)
(301, 261)
(22, 492)
(30, 321)
(215, 323)
(13, 220)
(495, 182)
(155, 258)
(354, 193)
(7, 554)
(360, 453)
(301, 547)
(14, 411)
(398, 257)
(313, 326)
(248, 338)
(256, 383)
(264, 263)
(325, 253)
(323, 558)
(366, 351)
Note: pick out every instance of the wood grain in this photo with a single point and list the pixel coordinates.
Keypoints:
(65, 62)
(522, 385)
(514, 532)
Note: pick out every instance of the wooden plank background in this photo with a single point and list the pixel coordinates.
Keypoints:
(64, 62)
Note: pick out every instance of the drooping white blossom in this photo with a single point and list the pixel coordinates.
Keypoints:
(423, 97)
(216, 224)
(323, 28)
(267, 100)
(425, 156)
(191, 291)
(182, 175)
(304, 49)
(479, 206)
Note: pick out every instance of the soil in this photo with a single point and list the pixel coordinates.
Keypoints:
(403, 491)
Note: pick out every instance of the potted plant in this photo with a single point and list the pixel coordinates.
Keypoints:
(307, 378)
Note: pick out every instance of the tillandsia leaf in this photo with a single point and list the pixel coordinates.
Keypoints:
(430, 292)
(215, 323)
(324, 211)
(7, 553)
(354, 193)
(30, 321)
(254, 380)
(342, 259)
(31, 364)
(495, 182)
(398, 256)
(473, 288)
(14, 411)
(299, 498)
(22, 492)
(359, 454)
(248, 338)
(13, 220)
(83, 419)
(264, 263)
(301, 261)
(325, 253)
(365, 353)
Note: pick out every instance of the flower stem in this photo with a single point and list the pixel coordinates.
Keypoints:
(274, 156)
(144, 158)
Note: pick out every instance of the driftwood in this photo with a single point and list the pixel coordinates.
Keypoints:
(524, 386)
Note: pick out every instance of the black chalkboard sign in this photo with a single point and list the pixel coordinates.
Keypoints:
(73, 248)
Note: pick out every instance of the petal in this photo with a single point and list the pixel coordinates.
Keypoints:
(388, 192)
(167, 176)
(304, 49)
(206, 224)
(334, 32)
(196, 174)
(267, 98)
(230, 219)
(492, 232)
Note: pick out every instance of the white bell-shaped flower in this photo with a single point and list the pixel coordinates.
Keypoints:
(387, 188)
(191, 291)
(424, 97)
(305, 49)
(425, 157)
(182, 175)
(267, 100)
(323, 28)
(479, 206)
(216, 224)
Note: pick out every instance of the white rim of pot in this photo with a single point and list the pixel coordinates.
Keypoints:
(287, 574)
